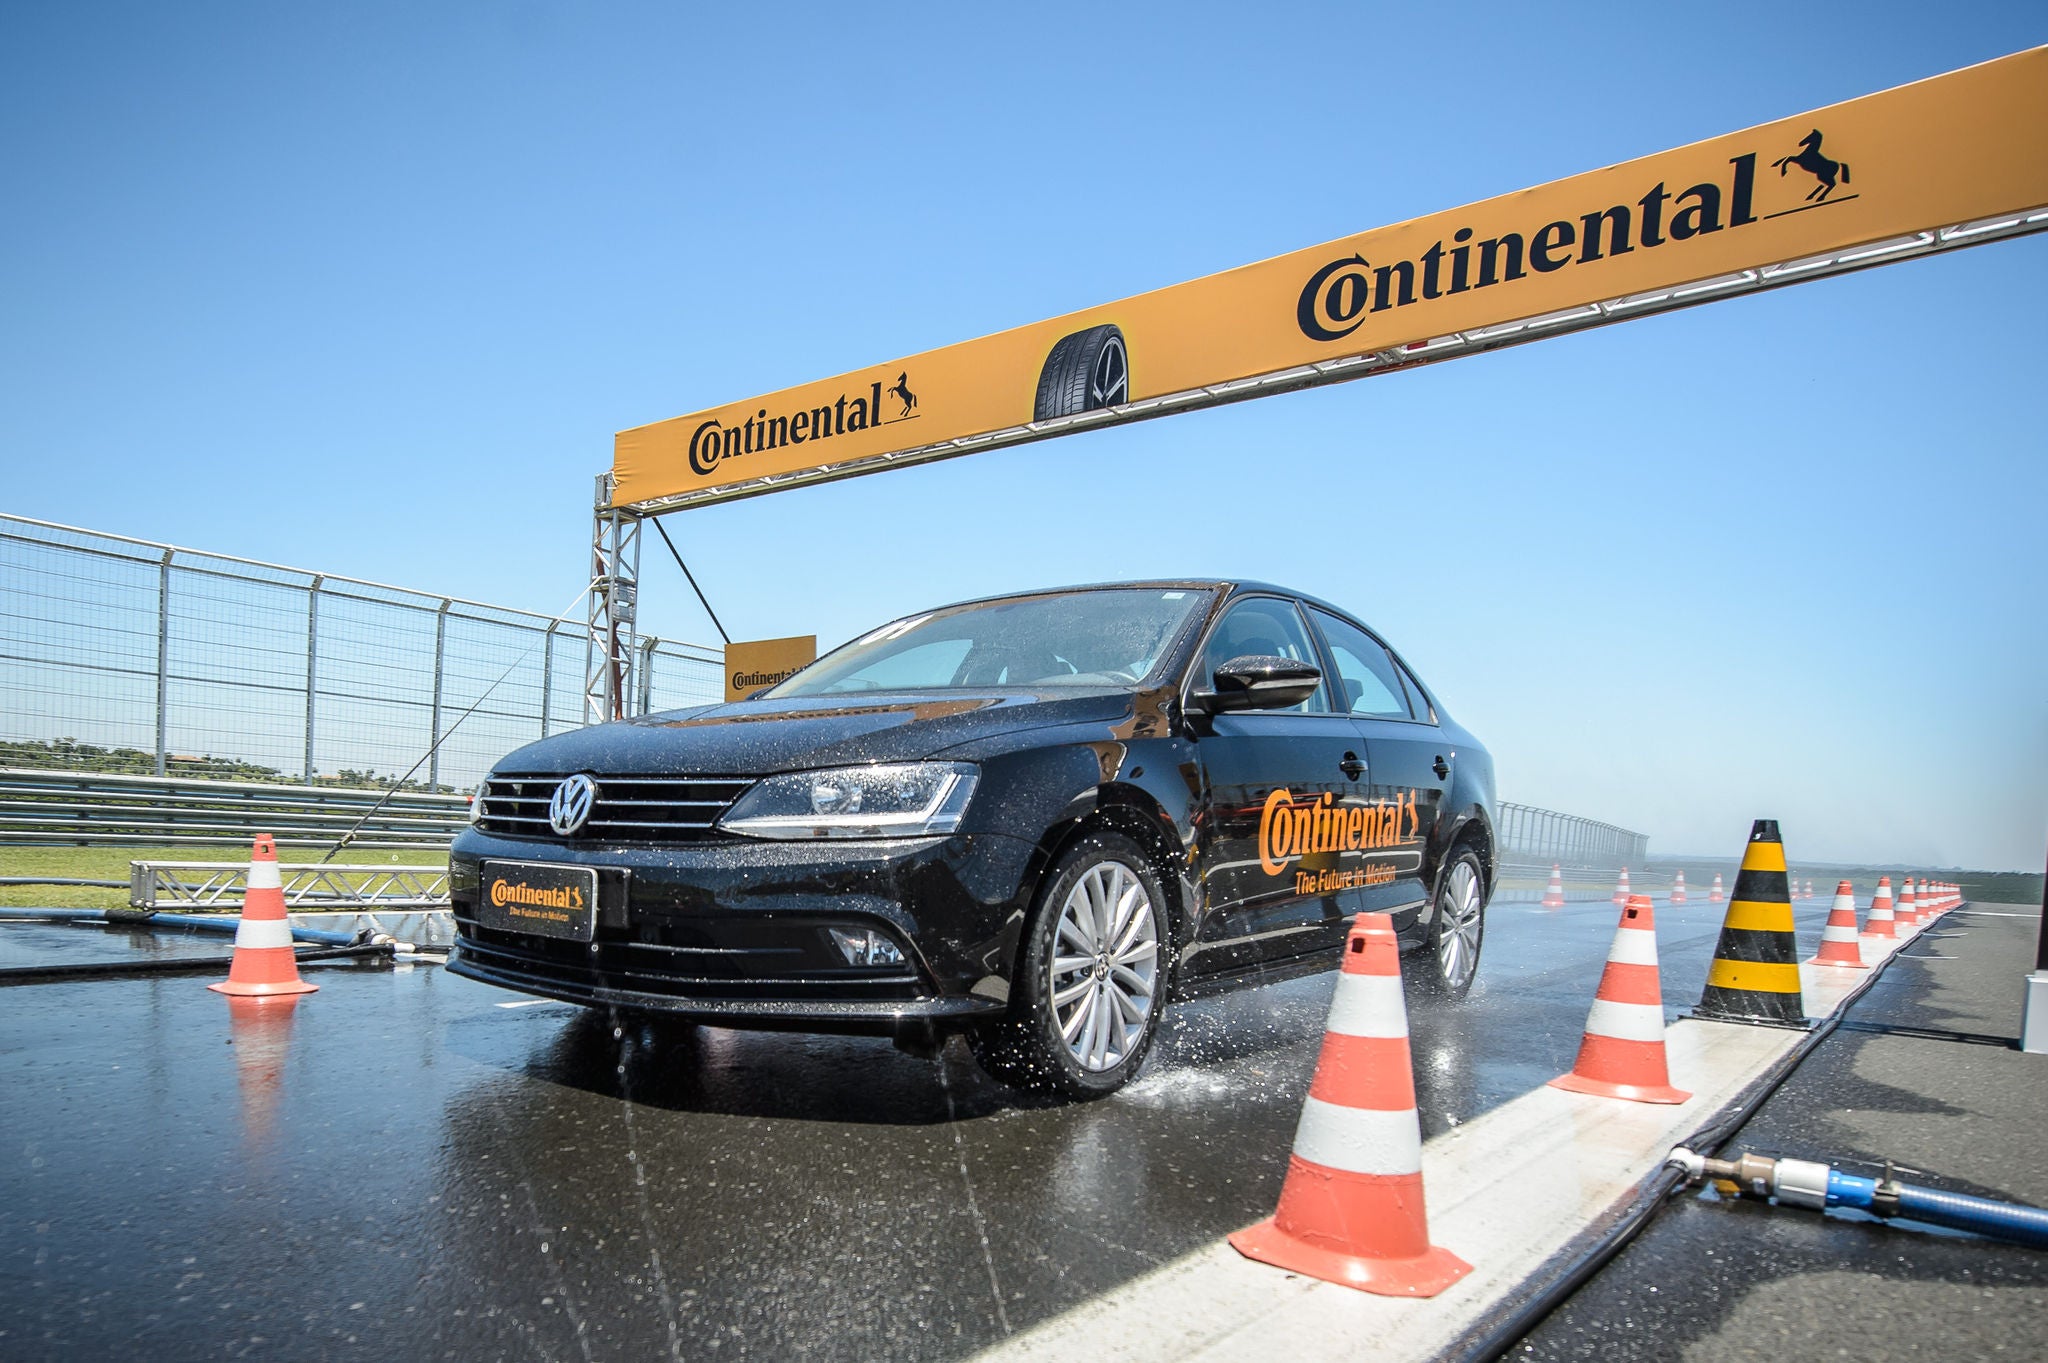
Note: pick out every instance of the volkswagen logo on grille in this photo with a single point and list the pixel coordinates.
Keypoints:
(570, 806)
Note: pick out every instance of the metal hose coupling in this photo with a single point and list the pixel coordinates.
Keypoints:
(1805, 1183)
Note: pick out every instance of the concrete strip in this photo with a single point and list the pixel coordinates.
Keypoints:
(1507, 1191)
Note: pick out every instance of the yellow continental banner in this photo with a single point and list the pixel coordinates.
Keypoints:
(751, 664)
(1956, 148)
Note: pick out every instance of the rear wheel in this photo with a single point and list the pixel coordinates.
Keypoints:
(1085, 1000)
(1458, 928)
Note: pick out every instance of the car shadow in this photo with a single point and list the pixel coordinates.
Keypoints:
(680, 1067)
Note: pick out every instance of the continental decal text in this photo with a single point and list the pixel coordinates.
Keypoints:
(1289, 829)
(505, 892)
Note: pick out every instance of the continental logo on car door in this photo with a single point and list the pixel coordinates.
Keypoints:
(1290, 829)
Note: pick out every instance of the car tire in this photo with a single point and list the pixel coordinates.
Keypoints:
(1091, 975)
(1088, 370)
(1457, 927)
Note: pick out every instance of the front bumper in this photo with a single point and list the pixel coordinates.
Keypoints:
(736, 932)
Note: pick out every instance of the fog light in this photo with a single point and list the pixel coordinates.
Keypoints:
(864, 946)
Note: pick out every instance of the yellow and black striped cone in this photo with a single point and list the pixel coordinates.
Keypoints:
(1755, 977)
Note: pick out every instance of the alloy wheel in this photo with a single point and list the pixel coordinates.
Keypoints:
(1459, 920)
(1105, 966)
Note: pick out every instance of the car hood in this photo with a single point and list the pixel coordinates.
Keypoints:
(760, 737)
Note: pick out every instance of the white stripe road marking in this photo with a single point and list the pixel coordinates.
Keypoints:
(1626, 1021)
(263, 875)
(1368, 1005)
(526, 1003)
(1633, 946)
(1359, 1140)
(259, 933)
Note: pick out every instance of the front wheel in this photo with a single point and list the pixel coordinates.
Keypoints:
(1458, 927)
(1085, 1000)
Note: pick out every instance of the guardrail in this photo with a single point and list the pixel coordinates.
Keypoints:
(55, 807)
(1529, 836)
(211, 885)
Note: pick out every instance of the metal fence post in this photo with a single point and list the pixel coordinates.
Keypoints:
(547, 678)
(312, 653)
(647, 674)
(163, 658)
(440, 657)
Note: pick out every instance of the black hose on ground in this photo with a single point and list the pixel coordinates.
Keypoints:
(176, 965)
(64, 880)
(1708, 1140)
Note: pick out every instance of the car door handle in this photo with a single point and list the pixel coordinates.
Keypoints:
(1352, 766)
(1441, 768)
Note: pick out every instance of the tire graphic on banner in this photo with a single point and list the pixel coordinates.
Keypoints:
(1086, 371)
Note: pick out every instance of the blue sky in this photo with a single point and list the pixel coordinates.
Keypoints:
(368, 289)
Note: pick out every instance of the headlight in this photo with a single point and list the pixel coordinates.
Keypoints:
(904, 800)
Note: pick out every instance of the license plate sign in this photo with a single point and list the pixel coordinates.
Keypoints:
(540, 898)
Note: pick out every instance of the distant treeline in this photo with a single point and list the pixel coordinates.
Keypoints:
(68, 754)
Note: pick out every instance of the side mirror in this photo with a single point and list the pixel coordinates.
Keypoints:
(1260, 682)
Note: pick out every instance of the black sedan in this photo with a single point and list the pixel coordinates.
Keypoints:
(1032, 818)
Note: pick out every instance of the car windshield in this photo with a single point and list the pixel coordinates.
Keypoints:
(1108, 637)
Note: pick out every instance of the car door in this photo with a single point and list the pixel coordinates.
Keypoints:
(1279, 788)
(1409, 759)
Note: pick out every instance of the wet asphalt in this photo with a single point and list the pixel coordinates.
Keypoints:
(1926, 1071)
(402, 1166)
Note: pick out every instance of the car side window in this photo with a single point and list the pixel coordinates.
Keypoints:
(1365, 673)
(1267, 626)
(1418, 699)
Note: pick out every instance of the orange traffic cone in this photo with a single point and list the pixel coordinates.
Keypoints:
(1678, 889)
(1809, 889)
(263, 963)
(1553, 898)
(1716, 895)
(1838, 938)
(1908, 912)
(1879, 923)
(1351, 1210)
(1621, 888)
(1622, 1055)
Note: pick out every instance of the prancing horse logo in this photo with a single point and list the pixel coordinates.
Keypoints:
(570, 806)
(901, 392)
(1809, 159)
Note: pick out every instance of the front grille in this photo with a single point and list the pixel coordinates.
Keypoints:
(658, 809)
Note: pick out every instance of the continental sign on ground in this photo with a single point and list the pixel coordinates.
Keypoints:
(1960, 147)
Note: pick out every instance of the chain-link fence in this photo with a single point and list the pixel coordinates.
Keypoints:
(122, 655)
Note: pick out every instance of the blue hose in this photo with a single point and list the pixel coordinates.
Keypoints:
(213, 923)
(2004, 1220)
(200, 922)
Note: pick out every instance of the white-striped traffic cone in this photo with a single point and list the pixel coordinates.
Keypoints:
(1621, 888)
(1351, 1211)
(263, 962)
(1838, 939)
(1879, 924)
(1717, 894)
(1678, 889)
(1553, 898)
(1908, 911)
(1622, 1055)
